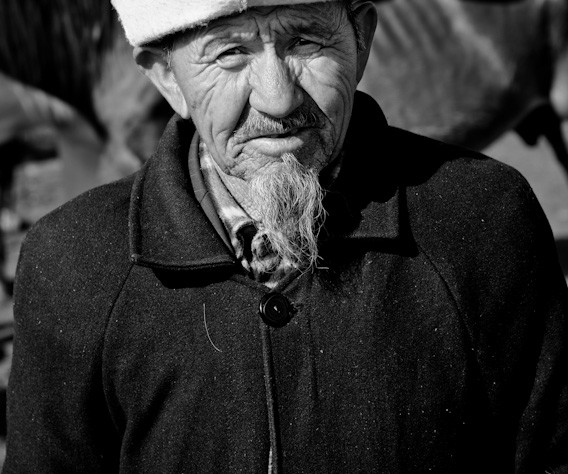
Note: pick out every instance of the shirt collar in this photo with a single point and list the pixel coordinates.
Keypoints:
(169, 228)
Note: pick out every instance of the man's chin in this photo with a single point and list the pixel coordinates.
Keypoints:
(251, 166)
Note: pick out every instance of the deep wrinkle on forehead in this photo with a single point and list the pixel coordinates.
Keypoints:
(306, 20)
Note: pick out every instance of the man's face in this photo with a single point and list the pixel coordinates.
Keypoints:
(270, 81)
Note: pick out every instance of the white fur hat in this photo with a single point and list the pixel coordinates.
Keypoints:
(148, 20)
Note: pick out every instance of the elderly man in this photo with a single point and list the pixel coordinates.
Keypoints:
(289, 284)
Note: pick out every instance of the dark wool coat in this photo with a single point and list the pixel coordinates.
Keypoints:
(431, 340)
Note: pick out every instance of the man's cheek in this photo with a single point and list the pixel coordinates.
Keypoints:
(333, 106)
(225, 114)
(202, 96)
(330, 68)
(327, 88)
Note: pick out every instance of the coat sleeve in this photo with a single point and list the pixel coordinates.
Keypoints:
(58, 421)
(491, 242)
(542, 439)
(522, 330)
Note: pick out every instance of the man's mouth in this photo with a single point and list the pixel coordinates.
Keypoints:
(275, 144)
(284, 134)
(277, 135)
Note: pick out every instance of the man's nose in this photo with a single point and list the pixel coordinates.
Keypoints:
(275, 91)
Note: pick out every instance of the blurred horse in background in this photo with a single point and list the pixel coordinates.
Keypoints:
(466, 72)
(67, 64)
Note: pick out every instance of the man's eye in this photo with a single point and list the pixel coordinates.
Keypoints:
(306, 45)
(301, 42)
(233, 57)
(230, 52)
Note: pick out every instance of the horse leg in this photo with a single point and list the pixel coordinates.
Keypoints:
(555, 137)
(545, 122)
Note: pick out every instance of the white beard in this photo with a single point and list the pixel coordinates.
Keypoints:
(288, 201)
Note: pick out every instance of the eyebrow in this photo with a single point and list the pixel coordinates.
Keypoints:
(314, 29)
(310, 29)
(215, 42)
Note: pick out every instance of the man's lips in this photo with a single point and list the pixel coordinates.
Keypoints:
(277, 144)
(283, 134)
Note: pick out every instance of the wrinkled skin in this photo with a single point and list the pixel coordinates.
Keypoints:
(267, 65)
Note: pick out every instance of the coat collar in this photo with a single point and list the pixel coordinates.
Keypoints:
(169, 230)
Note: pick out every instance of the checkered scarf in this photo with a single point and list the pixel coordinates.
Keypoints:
(248, 237)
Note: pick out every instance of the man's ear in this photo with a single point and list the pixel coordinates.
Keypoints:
(366, 17)
(152, 61)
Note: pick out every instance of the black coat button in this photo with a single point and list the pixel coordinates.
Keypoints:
(275, 309)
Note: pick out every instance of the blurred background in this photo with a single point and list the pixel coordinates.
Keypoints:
(76, 113)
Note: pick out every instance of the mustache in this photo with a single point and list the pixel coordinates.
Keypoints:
(255, 124)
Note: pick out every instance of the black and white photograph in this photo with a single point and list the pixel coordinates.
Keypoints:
(284, 236)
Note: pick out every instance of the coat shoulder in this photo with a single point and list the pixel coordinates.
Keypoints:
(88, 227)
(467, 210)
(457, 194)
(76, 256)
(481, 226)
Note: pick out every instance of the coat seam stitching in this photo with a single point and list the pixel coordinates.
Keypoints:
(105, 338)
(469, 331)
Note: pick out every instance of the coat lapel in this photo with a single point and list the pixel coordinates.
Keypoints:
(168, 228)
(365, 200)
